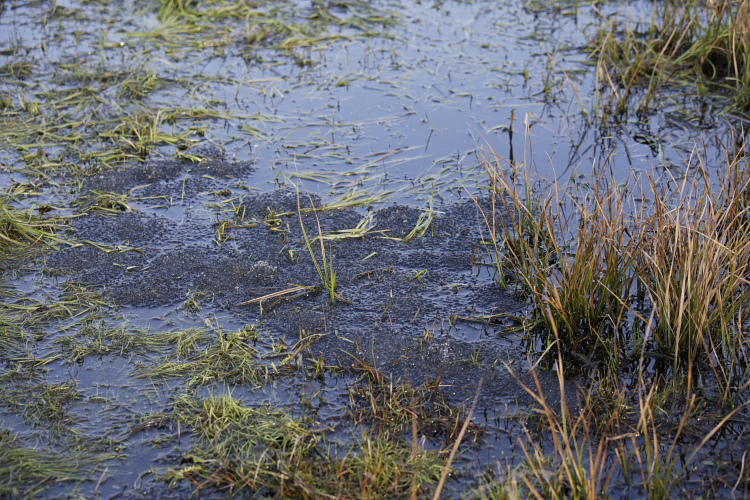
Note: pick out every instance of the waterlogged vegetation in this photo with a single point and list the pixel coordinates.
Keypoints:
(266, 450)
(649, 297)
(698, 45)
(489, 250)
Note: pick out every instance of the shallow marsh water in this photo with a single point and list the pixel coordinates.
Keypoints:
(382, 107)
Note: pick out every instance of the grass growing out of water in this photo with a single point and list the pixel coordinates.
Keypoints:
(616, 435)
(571, 263)
(688, 43)
(578, 464)
(613, 277)
(695, 266)
(623, 288)
(324, 265)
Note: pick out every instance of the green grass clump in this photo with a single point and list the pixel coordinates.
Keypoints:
(239, 446)
(374, 467)
(269, 452)
(227, 358)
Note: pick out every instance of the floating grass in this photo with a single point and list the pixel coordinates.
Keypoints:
(351, 199)
(142, 132)
(424, 221)
(39, 403)
(17, 69)
(23, 320)
(97, 338)
(106, 202)
(297, 290)
(13, 335)
(27, 471)
(49, 403)
(362, 229)
(25, 227)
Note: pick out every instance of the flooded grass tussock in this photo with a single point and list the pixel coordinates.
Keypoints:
(489, 250)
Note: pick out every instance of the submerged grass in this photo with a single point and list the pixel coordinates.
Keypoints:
(73, 304)
(27, 471)
(25, 320)
(48, 403)
(109, 114)
(396, 408)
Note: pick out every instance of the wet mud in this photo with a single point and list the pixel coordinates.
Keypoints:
(411, 308)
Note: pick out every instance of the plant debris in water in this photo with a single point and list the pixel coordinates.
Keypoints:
(201, 271)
